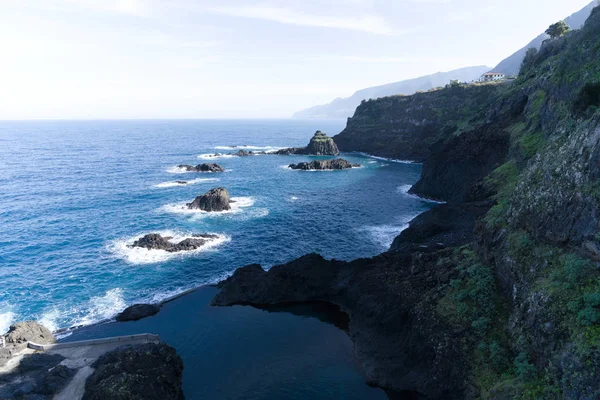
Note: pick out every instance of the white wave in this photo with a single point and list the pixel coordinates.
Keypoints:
(209, 156)
(6, 320)
(389, 159)
(237, 204)
(247, 147)
(177, 170)
(384, 235)
(293, 198)
(137, 255)
(50, 319)
(372, 162)
(403, 189)
(103, 307)
(187, 183)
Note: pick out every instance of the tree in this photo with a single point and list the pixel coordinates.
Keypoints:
(529, 60)
(558, 29)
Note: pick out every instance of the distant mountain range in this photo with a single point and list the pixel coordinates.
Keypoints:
(342, 108)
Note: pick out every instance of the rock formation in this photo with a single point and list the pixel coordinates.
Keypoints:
(338, 163)
(206, 167)
(154, 241)
(142, 372)
(215, 200)
(138, 311)
(320, 145)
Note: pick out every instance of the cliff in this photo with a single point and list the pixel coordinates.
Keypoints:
(497, 293)
(407, 127)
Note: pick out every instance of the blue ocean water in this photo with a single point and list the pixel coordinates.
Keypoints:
(73, 194)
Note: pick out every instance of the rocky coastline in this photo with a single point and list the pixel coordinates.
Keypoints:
(494, 294)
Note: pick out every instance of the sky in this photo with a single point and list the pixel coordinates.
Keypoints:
(129, 59)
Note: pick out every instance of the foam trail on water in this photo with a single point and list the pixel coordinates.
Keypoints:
(403, 189)
(187, 183)
(389, 159)
(209, 156)
(137, 255)
(384, 235)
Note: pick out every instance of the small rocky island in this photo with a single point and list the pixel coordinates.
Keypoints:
(320, 145)
(324, 165)
(215, 200)
(154, 241)
(206, 167)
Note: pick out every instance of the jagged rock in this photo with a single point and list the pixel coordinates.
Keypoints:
(29, 331)
(320, 145)
(143, 372)
(181, 182)
(338, 163)
(215, 200)
(154, 241)
(138, 311)
(206, 167)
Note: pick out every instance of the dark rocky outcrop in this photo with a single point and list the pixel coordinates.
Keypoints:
(138, 311)
(338, 163)
(215, 200)
(320, 145)
(206, 167)
(142, 372)
(154, 241)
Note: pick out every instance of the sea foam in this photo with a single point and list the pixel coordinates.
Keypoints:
(188, 183)
(6, 320)
(403, 189)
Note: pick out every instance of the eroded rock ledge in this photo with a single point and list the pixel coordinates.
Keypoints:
(318, 165)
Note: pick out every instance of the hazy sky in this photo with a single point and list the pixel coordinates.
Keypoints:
(241, 58)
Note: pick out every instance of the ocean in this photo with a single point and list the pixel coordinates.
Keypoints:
(74, 194)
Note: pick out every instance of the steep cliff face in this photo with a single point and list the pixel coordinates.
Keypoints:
(498, 290)
(407, 127)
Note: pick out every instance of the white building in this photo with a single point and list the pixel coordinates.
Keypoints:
(492, 76)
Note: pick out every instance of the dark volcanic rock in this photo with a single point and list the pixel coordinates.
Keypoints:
(154, 241)
(447, 225)
(142, 372)
(202, 168)
(320, 145)
(401, 347)
(216, 200)
(338, 163)
(138, 311)
(460, 163)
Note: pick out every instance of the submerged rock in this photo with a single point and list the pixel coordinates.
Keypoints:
(215, 200)
(154, 241)
(206, 167)
(320, 145)
(338, 163)
(143, 372)
(138, 311)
